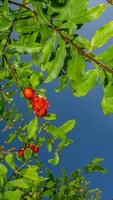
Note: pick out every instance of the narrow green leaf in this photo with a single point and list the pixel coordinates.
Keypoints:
(49, 144)
(76, 66)
(107, 56)
(3, 172)
(63, 83)
(10, 161)
(26, 47)
(56, 65)
(64, 143)
(68, 126)
(11, 137)
(50, 116)
(107, 101)
(102, 35)
(46, 52)
(32, 128)
(27, 153)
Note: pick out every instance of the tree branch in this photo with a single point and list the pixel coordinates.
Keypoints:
(83, 53)
(19, 4)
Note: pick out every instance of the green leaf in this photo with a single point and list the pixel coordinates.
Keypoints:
(27, 153)
(31, 173)
(11, 137)
(107, 56)
(92, 14)
(83, 87)
(102, 35)
(4, 25)
(97, 161)
(77, 13)
(76, 66)
(36, 79)
(55, 66)
(54, 161)
(3, 172)
(27, 47)
(49, 143)
(63, 84)
(9, 195)
(20, 183)
(107, 101)
(64, 144)
(74, 10)
(27, 25)
(32, 128)
(68, 126)
(95, 166)
(50, 116)
(46, 52)
(50, 184)
(47, 193)
(10, 161)
(56, 132)
(82, 42)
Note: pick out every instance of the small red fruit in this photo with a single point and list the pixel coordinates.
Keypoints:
(41, 113)
(21, 152)
(34, 148)
(28, 93)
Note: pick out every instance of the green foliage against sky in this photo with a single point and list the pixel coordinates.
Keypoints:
(48, 31)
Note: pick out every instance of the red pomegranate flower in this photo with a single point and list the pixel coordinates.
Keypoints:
(28, 93)
(39, 105)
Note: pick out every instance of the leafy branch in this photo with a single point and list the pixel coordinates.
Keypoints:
(67, 39)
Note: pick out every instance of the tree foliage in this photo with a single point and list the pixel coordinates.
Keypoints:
(48, 32)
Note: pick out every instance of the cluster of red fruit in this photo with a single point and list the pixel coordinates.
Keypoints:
(33, 147)
(39, 104)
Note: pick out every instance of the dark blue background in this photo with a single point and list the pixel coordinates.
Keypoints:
(93, 134)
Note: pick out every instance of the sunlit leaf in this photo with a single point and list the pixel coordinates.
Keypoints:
(32, 128)
(102, 35)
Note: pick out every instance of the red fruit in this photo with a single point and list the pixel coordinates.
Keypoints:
(41, 113)
(21, 152)
(28, 93)
(46, 104)
(34, 99)
(34, 148)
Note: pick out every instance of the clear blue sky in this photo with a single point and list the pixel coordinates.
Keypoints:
(93, 134)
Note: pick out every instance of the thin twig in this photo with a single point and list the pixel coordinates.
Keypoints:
(19, 4)
(9, 35)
